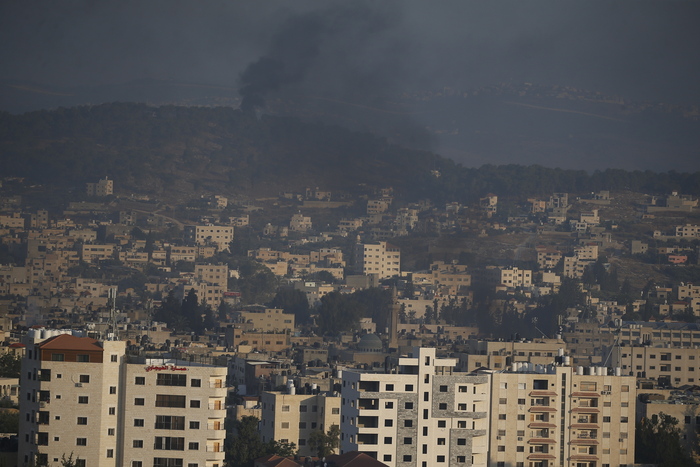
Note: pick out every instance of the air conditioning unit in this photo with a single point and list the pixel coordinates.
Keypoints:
(78, 385)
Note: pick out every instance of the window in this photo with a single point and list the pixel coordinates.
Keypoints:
(501, 448)
(335, 410)
(138, 422)
(408, 405)
(166, 462)
(82, 358)
(520, 448)
(170, 422)
(461, 459)
(112, 389)
(194, 425)
(388, 405)
(84, 378)
(501, 416)
(110, 431)
(442, 424)
(194, 404)
(193, 446)
(389, 387)
(169, 379)
(302, 408)
(521, 401)
(140, 380)
(409, 388)
(407, 458)
(138, 443)
(441, 458)
(441, 441)
(442, 406)
(443, 388)
(606, 419)
(82, 420)
(388, 422)
(136, 464)
(196, 383)
(387, 457)
(302, 425)
(82, 399)
(112, 411)
(58, 357)
(113, 358)
(169, 443)
(139, 401)
(285, 408)
(81, 442)
(502, 400)
(285, 425)
(166, 400)
(388, 440)
(110, 453)
(461, 441)
(408, 423)
(408, 440)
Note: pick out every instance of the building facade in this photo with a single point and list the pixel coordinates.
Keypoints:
(87, 397)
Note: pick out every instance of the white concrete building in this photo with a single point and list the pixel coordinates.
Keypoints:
(382, 259)
(422, 415)
(87, 397)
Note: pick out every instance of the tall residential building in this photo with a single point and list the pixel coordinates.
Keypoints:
(291, 417)
(381, 259)
(423, 414)
(89, 398)
(561, 416)
(104, 187)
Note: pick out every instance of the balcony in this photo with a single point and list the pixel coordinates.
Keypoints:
(367, 439)
(368, 404)
(368, 422)
(368, 386)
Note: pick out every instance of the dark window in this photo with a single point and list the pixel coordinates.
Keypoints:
(140, 380)
(443, 388)
(408, 405)
(194, 404)
(196, 383)
(84, 378)
(169, 443)
(169, 379)
(139, 401)
(82, 420)
(81, 442)
(138, 443)
(170, 422)
(138, 422)
(408, 423)
(58, 357)
(166, 462)
(82, 358)
(408, 440)
(166, 400)
(194, 425)
(83, 399)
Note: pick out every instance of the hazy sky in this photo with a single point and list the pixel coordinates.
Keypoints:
(638, 49)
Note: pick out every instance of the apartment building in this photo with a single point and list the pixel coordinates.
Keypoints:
(668, 366)
(219, 236)
(291, 417)
(89, 398)
(422, 414)
(300, 223)
(381, 259)
(561, 415)
(267, 320)
(103, 187)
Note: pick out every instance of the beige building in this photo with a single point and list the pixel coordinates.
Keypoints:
(89, 398)
(104, 187)
(291, 417)
(561, 416)
(422, 414)
(219, 236)
(668, 366)
(267, 320)
(300, 223)
(381, 259)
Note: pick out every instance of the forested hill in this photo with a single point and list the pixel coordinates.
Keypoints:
(171, 150)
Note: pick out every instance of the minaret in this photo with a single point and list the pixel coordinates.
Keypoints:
(394, 321)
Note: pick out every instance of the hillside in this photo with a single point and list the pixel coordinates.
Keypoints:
(174, 151)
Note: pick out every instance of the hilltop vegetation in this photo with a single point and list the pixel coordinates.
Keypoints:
(173, 151)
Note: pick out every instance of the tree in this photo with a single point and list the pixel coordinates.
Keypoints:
(325, 444)
(292, 301)
(69, 461)
(246, 446)
(658, 441)
(10, 365)
(282, 448)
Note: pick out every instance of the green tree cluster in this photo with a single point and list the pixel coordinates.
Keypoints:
(247, 445)
(186, 315)
(658, 441)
